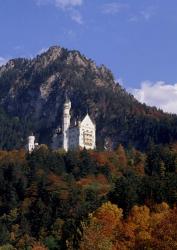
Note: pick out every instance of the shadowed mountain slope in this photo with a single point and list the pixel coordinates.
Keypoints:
(32, 93)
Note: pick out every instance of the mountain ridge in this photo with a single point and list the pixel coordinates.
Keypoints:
(32, 91)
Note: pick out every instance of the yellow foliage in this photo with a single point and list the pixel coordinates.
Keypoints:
(148, 230)
(163, 207)
(98, 234)
(108, 212)
(140, 217)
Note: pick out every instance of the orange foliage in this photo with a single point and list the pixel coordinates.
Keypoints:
(39, 246)
(57, 184)
(26, 204)
(174, 147)
(100, 182)
(143, 229)
(122, 156)
(139, 169)
(100, 157)
(108, 216)
(107, 158)
(165, 232)
(98, 233)
(124, 236)
(86, 181)
(15, 156)
(54, 179)
(102, 179)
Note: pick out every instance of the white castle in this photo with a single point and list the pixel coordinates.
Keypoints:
(81, 135)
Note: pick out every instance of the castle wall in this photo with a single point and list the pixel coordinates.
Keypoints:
(73, 138)
(87, 134)
(57, 141)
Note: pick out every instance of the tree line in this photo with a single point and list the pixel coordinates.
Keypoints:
(88, 199)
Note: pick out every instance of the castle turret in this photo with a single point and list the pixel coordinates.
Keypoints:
(31, 143)
(66, 123)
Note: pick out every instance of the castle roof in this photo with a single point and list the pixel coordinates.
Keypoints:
(67, 100)
(85, 119)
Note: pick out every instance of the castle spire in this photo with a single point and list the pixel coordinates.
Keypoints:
(66, 97)
(66, 122)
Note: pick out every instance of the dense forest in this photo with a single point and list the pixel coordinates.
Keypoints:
(84, 200)
(32, 93)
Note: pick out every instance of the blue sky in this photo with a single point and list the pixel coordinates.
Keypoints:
(136, 39)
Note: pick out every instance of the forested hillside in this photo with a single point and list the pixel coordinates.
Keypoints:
(86, 200)
(121, 198)
(32, 93)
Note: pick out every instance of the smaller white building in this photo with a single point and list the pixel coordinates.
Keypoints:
(31, 144)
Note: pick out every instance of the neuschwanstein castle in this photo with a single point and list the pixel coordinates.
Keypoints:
(81, 135)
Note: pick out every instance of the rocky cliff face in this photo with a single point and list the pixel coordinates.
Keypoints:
(35, 88)
(33, 91)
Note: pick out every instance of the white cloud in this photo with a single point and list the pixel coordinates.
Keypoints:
(113, 8)
(148, 13)
(61, 3)
(145, 14)
(70, 33)
(76, 16)
(18, 47)
(68, 3)
(68, 6)
(44, 2)
(134, 18)
(159, 94)
(3, 61)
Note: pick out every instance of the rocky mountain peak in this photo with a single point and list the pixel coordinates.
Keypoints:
(74, 57)
(53, 52)
(33, 91)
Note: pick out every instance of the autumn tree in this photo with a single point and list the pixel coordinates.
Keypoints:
(122, 156)
(38, 246)
(165, 232)
(98, 233)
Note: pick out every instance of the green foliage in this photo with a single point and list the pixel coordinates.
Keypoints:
(7, 247)
(46, 196)
(51, 243)
(41, 200)
(160, 159)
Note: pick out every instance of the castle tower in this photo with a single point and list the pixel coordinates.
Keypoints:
(66, 123)
(31, 143)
